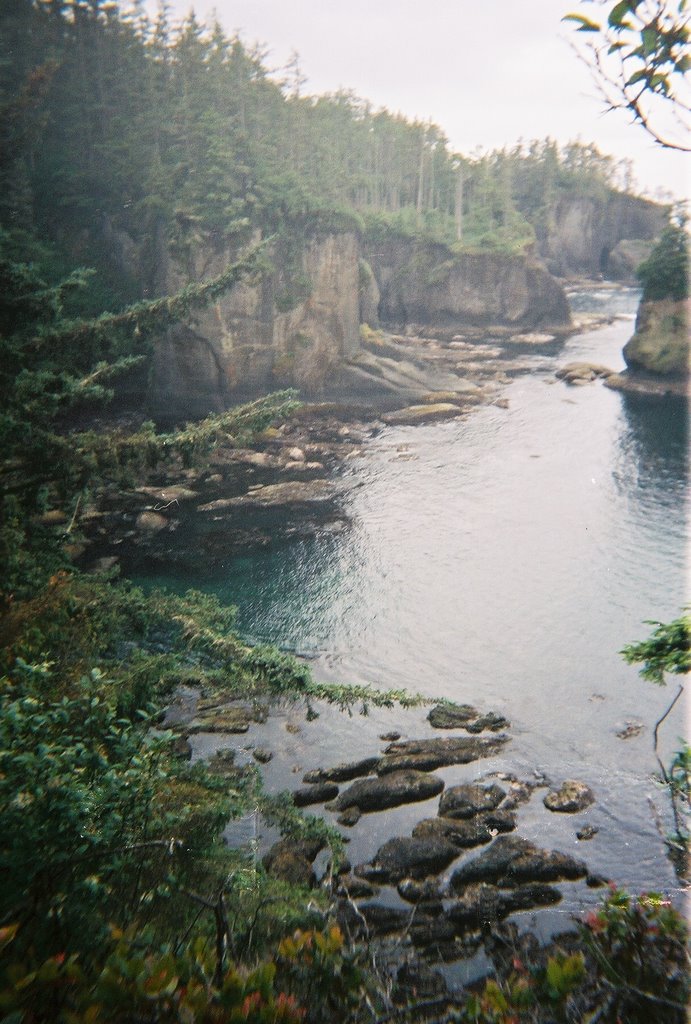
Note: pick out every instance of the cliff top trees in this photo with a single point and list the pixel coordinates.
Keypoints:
(665, 274)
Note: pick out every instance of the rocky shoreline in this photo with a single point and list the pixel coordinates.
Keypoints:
(437, 894)
(440, 881)
(285, 486)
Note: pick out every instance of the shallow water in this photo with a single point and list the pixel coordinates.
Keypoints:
(502, 560)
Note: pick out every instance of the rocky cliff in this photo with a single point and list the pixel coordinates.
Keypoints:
(661, 342)
(291, 327)
(425, 283)
(583, 231)
(298, 323)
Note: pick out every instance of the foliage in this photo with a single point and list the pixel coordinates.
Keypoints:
(665, 273)
(639, 59)
(667, 649)
(640, 946)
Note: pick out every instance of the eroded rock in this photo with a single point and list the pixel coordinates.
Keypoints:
(376, 794)
(405, 857)
(470, 799)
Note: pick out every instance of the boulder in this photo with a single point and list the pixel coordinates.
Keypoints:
(413, 891)
(426, 755)
(405, 857)
(467, 832)
(228, 719)
(571, 796)
(356, 888)
(392, 790)
(470, 799)
(349, 817)
(291, 861)
(318, 794)
(579, 373)
(343, 772)
(150, 522)
(511, 860)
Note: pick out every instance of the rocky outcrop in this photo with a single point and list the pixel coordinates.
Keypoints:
(661, 342)
(426, 283)
(581, 232)
(290, 327)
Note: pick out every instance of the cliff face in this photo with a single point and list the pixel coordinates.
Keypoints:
(292, 327)
(426, 284)
(583, 231)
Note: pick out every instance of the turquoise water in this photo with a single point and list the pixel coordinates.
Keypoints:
(504, 560)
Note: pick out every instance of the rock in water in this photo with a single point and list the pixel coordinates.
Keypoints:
(377, 794)
(403, 857)
(470, 799)
(571, 796)
(511, 860)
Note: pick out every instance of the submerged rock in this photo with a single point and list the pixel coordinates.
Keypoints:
(403, 857)
(571, 796)
(586, 832)
(291, 492)
(583, 373)
(511, 860)
(377, 794)
(470, 799)
(349, 817)
(228, 719)
(413, 414)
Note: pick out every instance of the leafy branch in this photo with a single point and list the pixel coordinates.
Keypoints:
(638, 57)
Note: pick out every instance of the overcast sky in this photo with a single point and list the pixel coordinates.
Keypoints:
(489, 72)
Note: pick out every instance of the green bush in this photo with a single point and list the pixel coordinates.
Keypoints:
(665, 273)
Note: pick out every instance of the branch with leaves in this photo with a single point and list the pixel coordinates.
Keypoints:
(638, 57)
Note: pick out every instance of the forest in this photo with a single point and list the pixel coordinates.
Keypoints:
(119, 899)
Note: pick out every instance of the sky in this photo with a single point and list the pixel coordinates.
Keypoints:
(488, 72)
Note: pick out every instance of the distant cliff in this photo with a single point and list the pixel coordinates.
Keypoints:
(299, 321)
(582, 232)
(293, 326)
(426, 283)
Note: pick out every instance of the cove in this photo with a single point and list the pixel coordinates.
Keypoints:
(501, 560)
